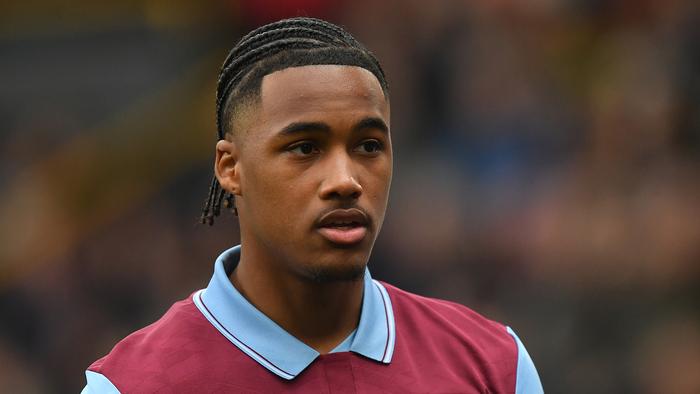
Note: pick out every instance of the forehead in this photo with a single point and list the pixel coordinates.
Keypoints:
(317, 90)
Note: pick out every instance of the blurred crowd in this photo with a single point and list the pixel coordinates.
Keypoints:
(547, 174)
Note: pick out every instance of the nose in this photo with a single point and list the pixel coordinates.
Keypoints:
(340, 181)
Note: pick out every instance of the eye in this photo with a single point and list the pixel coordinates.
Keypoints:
(304, 148)
(370, 146)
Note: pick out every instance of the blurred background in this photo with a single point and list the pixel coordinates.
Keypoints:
(547, 174)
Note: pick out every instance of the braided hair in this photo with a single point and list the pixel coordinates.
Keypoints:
(293, 42)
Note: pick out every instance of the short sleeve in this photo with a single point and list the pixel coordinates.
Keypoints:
(527, 380)
(98, 384)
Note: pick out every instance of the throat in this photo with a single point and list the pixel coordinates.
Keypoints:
(321, 315)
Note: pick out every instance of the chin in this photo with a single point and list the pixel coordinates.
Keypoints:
(336, 268)
(336, 273)
(334, 263)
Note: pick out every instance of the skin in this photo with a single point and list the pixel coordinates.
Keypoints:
(337, 156)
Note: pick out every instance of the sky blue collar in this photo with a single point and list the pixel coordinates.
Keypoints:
(273, 347)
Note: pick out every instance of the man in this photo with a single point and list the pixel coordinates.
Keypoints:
(305, 161)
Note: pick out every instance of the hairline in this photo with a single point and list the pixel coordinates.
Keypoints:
(249, 96)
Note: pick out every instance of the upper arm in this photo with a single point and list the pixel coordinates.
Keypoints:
(527, 380)
(98, 384)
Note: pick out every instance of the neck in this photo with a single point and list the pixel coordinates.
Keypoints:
(321, 315)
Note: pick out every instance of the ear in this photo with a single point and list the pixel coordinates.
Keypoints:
(227, 167)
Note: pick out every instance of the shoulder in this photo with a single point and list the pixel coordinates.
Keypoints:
(175, 346)
(446, 316)
(456, 338)
(168, 331)
(465, 338)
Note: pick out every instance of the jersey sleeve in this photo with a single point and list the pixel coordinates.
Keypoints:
(527, 380)
(98, 384)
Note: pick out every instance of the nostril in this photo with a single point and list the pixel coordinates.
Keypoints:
(341, 187)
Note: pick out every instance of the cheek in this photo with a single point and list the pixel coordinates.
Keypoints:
(274, 192)
(378, 182)
(380, 175)
(265, 191)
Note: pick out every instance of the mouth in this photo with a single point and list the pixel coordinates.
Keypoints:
(344, 226)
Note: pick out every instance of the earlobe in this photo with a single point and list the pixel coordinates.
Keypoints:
(226, 166)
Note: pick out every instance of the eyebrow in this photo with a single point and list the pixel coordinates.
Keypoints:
(300, 127)
(371, 123)
(364, 124)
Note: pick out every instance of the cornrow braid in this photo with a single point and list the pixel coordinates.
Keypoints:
(293, 42)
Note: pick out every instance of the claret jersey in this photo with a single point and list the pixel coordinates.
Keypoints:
(216, 341)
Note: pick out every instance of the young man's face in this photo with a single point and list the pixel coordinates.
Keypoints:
(314, 168)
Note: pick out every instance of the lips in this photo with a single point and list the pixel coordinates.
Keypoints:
(344, 226)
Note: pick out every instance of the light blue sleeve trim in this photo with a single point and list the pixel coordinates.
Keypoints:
(527, 380)
(98, 384)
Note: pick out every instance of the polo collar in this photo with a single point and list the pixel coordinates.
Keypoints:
(269, 344)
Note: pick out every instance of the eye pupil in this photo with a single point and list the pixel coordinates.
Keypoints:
(306, 148)
(370, 146)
